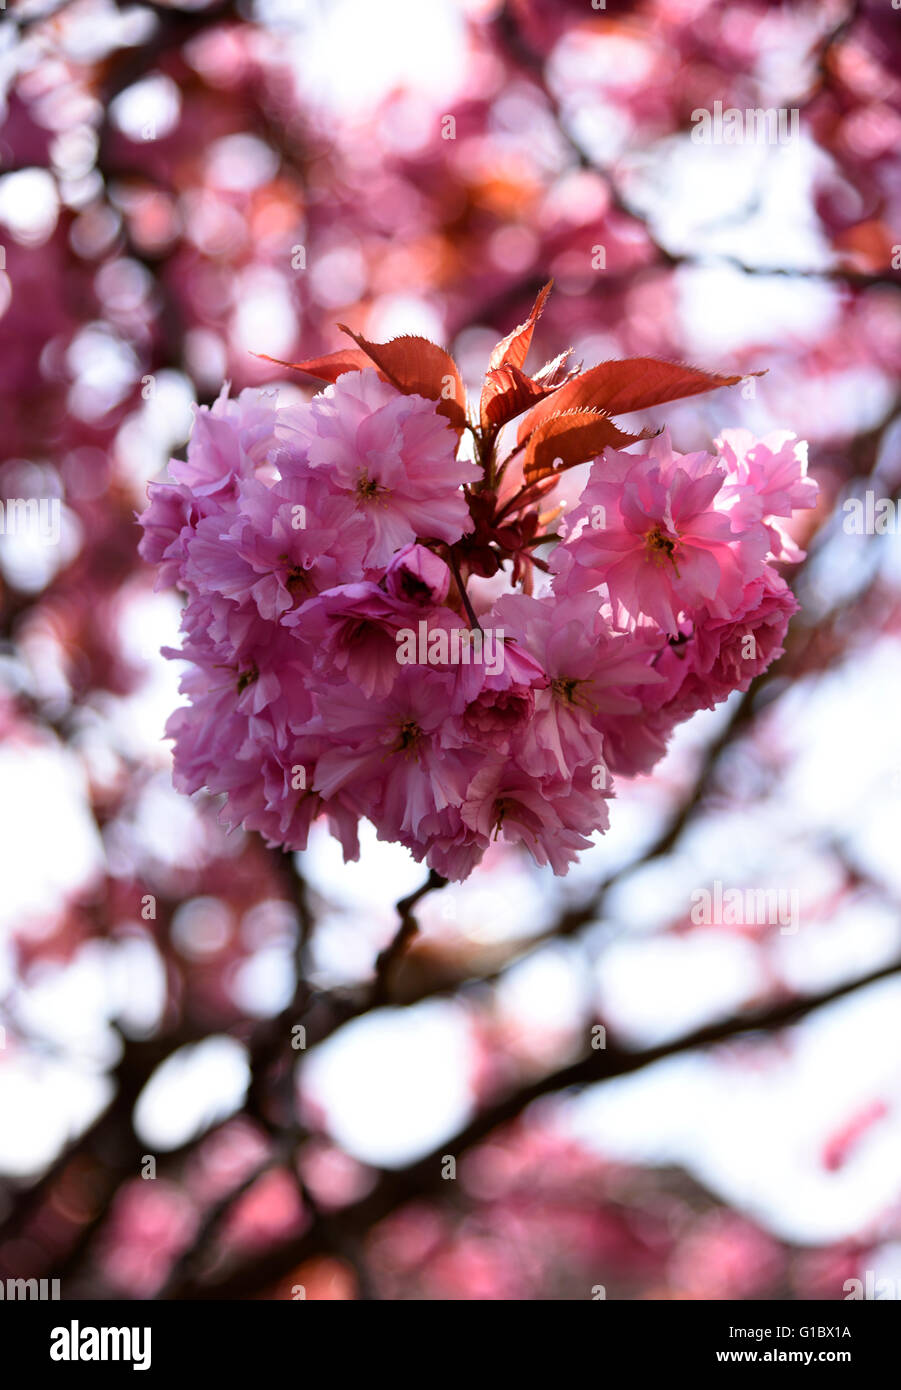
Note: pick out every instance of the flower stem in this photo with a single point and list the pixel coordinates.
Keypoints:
(455, 571)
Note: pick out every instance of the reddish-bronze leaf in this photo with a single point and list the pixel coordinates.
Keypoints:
(618, 387)
(513, 350)
(419, 368)
(572, 437)
(506, 393)
(329, 367)
(555, 373)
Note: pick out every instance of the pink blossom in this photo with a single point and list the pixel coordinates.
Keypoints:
(451, 846)
(169, 521)
(392, 753)
(352, 631)
(392, 454)
(418, 575)
(589, 669)
(769, 475)
(654, 537)
(504, 800)
(263, 557)
(767, 479)
(714, 656)
(230, 440)
(334, 671)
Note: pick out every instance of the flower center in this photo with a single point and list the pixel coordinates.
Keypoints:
(367, 488)
(565, 687)
(246, 678)
(408, 737)
(572, 691)
(660, 548)
(509, 807)
(296, 578)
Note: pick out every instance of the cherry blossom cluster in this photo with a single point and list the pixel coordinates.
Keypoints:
(383, 622)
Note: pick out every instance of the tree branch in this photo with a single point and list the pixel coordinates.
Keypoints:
(421, 1179)
(403, 936)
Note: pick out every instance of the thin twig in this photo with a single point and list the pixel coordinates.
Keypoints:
(402, 937)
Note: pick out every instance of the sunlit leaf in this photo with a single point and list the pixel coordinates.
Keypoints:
(632, 384)
(513, 350)
(421, 368)
(329, 367)
(572, 437)
(507, 392)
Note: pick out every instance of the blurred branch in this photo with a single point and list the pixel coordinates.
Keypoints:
(190, 1263)
(826, 47)
(424, 1178)
(512, 40)
(404, 935)
(174, 27)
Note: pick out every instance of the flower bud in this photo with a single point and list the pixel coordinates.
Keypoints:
(418, 575)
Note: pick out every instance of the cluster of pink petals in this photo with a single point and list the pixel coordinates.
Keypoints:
(683, 547)
(308, 539)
